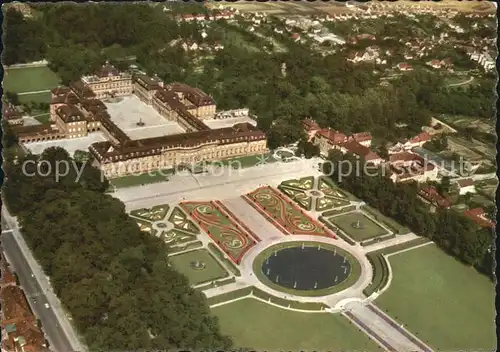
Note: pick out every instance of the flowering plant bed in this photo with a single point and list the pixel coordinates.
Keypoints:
(284, 214)
(225, 232)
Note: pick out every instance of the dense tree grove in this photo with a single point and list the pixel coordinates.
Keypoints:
(114, 280)
(451, 230)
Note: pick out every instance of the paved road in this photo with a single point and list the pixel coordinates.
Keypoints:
(33, 290)
(383, 329)
(58, 331)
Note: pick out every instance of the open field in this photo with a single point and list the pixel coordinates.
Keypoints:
(43, 97)
(212, 269)
(479, 124)
(30, 79)
(368, 229)
(264, 327)
(446, 296)
(473, 150)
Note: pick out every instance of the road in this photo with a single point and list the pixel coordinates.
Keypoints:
(461, 83)
(54, 326)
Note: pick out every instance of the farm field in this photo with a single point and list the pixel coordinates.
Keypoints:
(255, 324)
(29, 79)
(441, 311)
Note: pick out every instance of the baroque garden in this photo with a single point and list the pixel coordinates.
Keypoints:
(307, 253)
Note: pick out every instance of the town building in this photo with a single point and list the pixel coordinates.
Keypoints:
(405, 166)
(11, 114)
(478, 215)
(327, 139)
(466, 186)
(431, 196)
(109, 82)
(20, 331)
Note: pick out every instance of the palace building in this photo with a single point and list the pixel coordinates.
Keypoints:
(78, 110)
(109, 82)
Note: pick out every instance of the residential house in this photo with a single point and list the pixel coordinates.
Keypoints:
(11, 114)
(403, 66)
(405, 166)
(417, 141)
(431, 196)
(479, 216)
(466, 186)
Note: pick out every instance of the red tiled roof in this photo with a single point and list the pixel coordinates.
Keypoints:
(421, 137)
(466, 182)
(9, 112)
(333, 136)
(295, 36)
(432, 195)
(479, 217)
(360, 150)
(362, 136)
(404, 65)
(310, 125)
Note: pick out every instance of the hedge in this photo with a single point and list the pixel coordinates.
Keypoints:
(377, 239)
(390, 223)
(337, 231)
(339, 211)
(214, 284)
(228, 263)
(180, 248)
(308, 207)
(242, 292)
(285, 302)
(380, 273)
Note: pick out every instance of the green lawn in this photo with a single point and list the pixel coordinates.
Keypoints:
(369, 228)
(18, 80)
(247, 161)
(387, 221)
(36, 98)
(452, 306)
(43, 119)
(211, 272)
(260, 326)
(145, 178)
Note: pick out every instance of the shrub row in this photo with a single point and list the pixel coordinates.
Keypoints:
(402, 246)
(390, 223)
(308, 207)
(287, 303)
(339, 211)
(380, 273)
(377, 239)
(219, 283)
(229, 264)
(184, 247)
(337, 231)
(229, 296)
